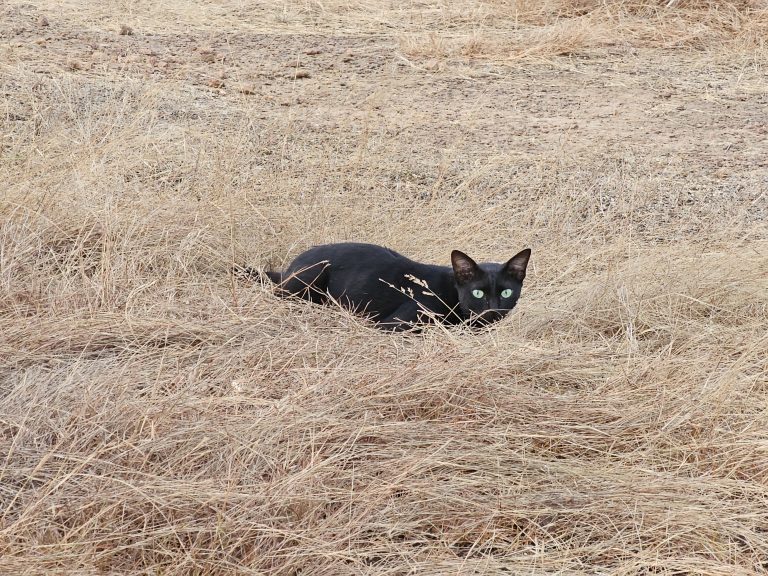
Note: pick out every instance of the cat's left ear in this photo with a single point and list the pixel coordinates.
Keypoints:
(464, 268)
(516, 265)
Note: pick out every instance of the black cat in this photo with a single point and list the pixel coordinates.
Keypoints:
(396, 292)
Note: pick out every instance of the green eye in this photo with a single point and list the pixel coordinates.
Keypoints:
(506, 293)
(477, 293)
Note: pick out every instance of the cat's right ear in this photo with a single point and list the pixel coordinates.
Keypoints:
(464, 268)
(516, 265)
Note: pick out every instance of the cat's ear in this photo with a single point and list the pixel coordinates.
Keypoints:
(516, 265)
(464, 268)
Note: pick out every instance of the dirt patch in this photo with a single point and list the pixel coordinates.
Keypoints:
(695, 119)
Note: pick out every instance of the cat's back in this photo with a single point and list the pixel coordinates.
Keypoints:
(360, 259)
(341, 253)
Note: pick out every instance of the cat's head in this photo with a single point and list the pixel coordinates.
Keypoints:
(487, 292)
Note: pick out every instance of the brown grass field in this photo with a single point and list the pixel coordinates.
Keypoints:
(160, 416)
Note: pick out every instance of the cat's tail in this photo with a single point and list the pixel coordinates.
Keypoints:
(251, 273)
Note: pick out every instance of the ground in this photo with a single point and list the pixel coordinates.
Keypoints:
(159, 415)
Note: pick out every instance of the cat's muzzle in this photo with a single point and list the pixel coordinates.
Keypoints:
(487, 317)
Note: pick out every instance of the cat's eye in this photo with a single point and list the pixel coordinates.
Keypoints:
(506, 293)
(477, 293)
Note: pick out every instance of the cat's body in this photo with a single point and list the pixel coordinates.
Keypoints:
(396, 292)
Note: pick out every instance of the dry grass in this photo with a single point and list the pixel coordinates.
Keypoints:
(520, 29)
(159, 416)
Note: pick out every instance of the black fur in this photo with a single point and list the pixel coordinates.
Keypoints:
(396, 292)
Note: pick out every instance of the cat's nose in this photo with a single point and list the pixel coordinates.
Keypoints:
(488, 317)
